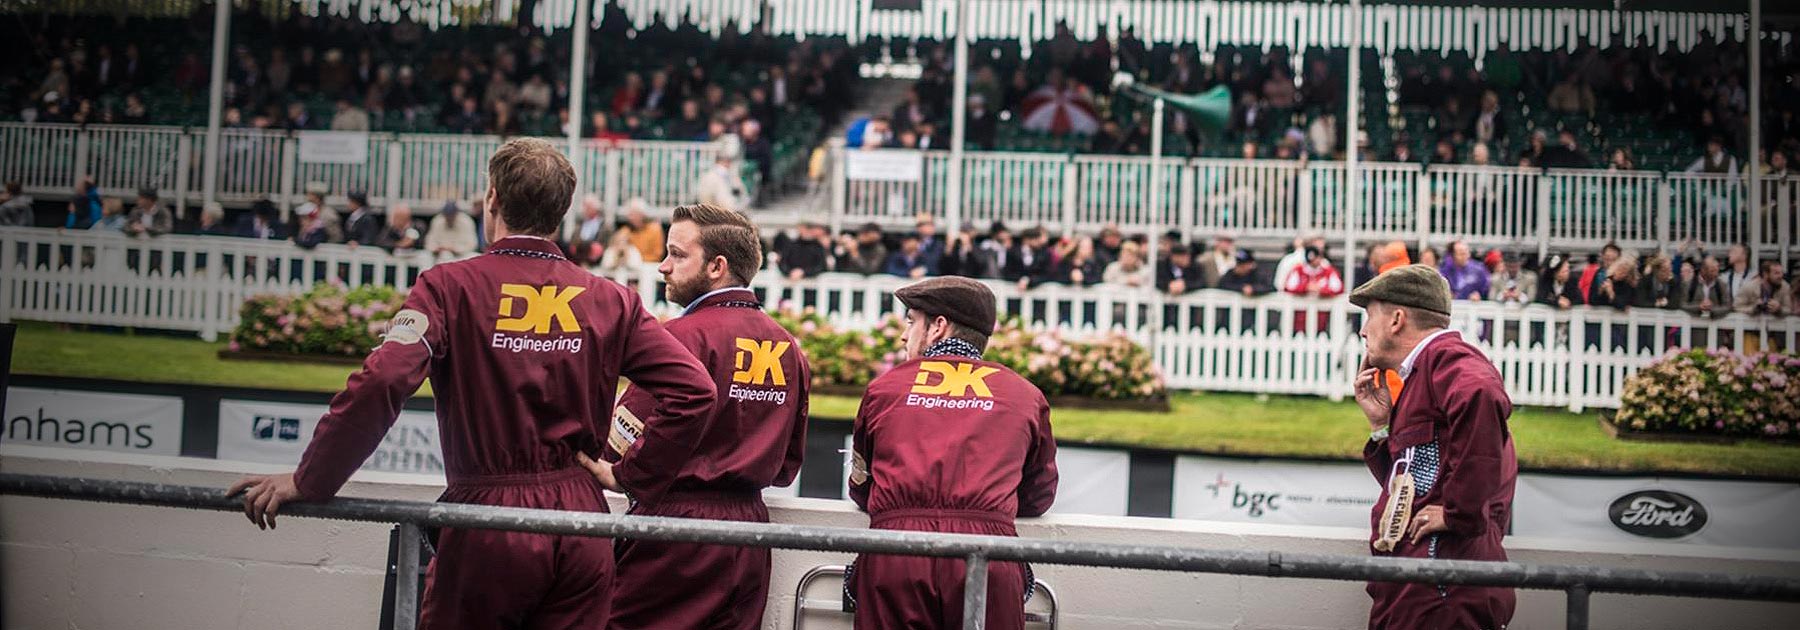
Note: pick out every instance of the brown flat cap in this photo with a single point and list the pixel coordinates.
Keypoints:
(958, 299)
(1417, 286)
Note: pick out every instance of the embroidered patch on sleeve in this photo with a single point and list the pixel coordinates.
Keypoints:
(407, 327)
(626, 429)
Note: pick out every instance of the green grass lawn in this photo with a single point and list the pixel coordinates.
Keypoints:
(1219, 423)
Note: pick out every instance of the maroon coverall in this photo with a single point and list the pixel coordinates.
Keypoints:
(714, 466)
(955, 445)
(524, 350)
(1454, 403)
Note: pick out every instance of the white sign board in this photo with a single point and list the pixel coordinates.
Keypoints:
(895, 165)
(127, 423)
(334, 147)
(1092, 481)
(1264, 491)
(277, 433)
(1654, 509)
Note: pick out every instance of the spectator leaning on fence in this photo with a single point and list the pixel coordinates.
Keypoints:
(1556, 285)
(1216, 261)
(862, 253)
(1620, 288)
(584, 239)
(1178, 274)
(1767, 293)
(1241, 278)
(967, 257)
(149, 218)
(646, 235)
(1129, 270)
(1707, 296)
(1031, 263)
(1659, 288)
(15, 207)
(263, 222)
(112, 216)
(85, 209)
(1082, 266)
(400, 234)
(807, 254)
(363, 226)
(1512, 284)
(1468, 277)
(909, 261)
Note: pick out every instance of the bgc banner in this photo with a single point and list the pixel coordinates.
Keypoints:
(1722, 513)
(125, 423)
(277, 433)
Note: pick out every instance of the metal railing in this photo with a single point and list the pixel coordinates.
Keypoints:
(804, 604)
(1577, 582)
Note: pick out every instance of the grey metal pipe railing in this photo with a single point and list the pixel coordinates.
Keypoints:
(1576, 581)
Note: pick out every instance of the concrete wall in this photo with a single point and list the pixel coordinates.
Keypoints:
(67, 564)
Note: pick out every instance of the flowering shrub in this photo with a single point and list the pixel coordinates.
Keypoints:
(1715, 391)
(1109, 365)
(326, 320)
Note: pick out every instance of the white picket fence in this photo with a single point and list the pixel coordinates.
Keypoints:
(1207, 340)
(1272, 201)
(423, 170)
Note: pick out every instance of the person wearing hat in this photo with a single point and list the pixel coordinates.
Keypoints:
(1442, 451)
(315, 221)
(149, 218)
(1215, 263)
(451, 234)
(1511, 282)
(947, 442)
(364, 225)
(1178, 274)
(263, 222)
(1241, 277)
(525, 350)
(716, 466)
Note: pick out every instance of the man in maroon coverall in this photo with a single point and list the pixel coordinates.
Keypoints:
(523, 349)
(717, 465)
(947, 442)
(1447, 433)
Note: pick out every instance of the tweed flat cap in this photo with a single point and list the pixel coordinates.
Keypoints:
(1417, 286)
(958, 299)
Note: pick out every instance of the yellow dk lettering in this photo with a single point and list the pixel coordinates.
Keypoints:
(959, 379)
(764, 358)
(542, 308)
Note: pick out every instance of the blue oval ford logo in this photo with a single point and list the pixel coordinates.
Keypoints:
(1658, 514)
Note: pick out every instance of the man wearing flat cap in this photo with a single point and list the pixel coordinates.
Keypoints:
(1441, 451)
(947, 442)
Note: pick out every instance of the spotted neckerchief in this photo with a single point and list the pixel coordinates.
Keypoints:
(955, 347)
(526, 253)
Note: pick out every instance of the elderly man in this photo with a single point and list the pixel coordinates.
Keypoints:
(1442, 452)
(400, 234)
(1706, 295)
(451, 235)
(720, 185)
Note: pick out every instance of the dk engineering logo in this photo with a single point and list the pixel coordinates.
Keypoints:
(757, 375)
(545, 308)
(956, 382)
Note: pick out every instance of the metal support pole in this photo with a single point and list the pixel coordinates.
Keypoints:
(1578, 607)
(584, 16)
(959, 106)
(209, 179)
(1156, 227)
(975, 596)
(1352, 188)
(1754, 38)
(406, 578)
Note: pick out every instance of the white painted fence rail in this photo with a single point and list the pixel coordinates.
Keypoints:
(1208, 339)
(1272, 201)
(423, 170)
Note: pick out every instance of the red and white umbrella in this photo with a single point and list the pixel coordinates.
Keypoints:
(1060, 111)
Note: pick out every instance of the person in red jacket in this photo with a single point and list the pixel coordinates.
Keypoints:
(523, 349)
(947, 442)
(717, 465)
(1442, 452)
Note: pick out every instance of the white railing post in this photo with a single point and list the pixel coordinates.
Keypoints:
(1423, 210)
(1304, 220)
(8, 260)
(1070, 190)
(1665, 197)
(1187, 203)
(1543, 216)
(82, 138)
(394, 161)
(184, 149)
(839, 188)
(290, 161)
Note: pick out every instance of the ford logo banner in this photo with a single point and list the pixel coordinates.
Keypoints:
(1658, 514)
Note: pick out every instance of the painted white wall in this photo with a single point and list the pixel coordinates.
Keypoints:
(68, 564)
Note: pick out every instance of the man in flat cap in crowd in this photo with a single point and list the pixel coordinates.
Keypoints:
(148, 217)
(947, 442)
(1441, 450)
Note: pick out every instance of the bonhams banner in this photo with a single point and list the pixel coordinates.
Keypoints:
(277, 433)
(127, 423)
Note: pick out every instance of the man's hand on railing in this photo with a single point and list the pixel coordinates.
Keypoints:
(602, 471)
(264, 496)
